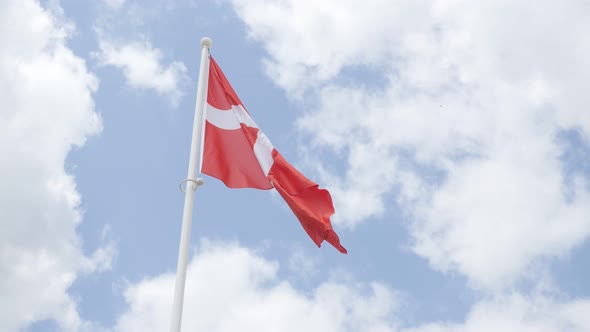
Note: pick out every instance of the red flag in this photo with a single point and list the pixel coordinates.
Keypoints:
(238, 153)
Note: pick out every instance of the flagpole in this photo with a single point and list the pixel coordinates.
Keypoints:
(192, 183)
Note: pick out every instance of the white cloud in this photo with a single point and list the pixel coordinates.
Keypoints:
(463, 129)
(327, 35)
(302, 265)
(231, 288)
(46, 109)
(517, 313)
(114, 4)
(141, 65)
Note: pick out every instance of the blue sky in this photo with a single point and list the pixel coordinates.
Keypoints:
(454, 138)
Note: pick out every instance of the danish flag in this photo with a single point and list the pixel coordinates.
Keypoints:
(238, 153)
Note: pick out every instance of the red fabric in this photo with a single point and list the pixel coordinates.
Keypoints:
(220, 94)
(229, 156)
(312, 205)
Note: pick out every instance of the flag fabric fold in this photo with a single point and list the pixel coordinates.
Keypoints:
(238, 153)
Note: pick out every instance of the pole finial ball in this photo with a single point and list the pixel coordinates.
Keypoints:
(206, 42)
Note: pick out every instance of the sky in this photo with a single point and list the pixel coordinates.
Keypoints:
(454, 137)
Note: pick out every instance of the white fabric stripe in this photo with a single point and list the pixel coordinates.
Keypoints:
(263, 151)
(229, 119)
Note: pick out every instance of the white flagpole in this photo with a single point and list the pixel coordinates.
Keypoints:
(191, 186)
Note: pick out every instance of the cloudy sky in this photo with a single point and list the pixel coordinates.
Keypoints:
(454, 137)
